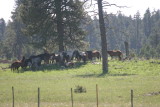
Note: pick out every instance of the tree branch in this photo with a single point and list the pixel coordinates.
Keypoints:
(108, 4)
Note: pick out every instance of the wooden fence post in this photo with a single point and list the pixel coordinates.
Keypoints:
(72, 97)
(131, 98)
(13, 96)
(38, 97)
(97, 94)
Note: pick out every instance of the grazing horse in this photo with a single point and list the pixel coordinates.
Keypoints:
(36, 60)
(15, 65)
(52, 58)
(83, 56)
(117, 53)
(27, 62)
(89, 55)
(79, 56)
(96, 54)
(45, 57)
(58, 58)
(92, 54)
(76, 55)
(66, 56)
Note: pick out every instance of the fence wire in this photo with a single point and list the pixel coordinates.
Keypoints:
(62, 98)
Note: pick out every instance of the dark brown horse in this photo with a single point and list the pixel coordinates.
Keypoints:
(96, 54)
(117, 53)
(92, 54)
(15, 65)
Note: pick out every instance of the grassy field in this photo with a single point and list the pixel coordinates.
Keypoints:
(55, 83)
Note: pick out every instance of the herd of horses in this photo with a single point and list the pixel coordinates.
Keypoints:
(64, 58)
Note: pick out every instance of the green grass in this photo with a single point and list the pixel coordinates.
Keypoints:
(55, 84)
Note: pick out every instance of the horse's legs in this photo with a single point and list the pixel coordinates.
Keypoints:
(99, 57)
(84, 59)
(119, 57)
(91, 58)
(16, 68)
(111, 57)
(12, 69)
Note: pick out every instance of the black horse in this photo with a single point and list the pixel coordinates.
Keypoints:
(79, 56)
(35, 60)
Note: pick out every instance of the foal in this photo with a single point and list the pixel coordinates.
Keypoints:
(15, 65)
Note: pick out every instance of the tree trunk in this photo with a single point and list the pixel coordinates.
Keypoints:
(19, 52)
(60, 27)
(103, 38)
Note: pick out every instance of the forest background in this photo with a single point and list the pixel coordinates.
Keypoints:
(141, 32)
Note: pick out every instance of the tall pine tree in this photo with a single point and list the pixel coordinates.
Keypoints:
(56, 20)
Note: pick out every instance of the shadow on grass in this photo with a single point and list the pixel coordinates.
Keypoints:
(92, 75)
(101, 75)
(124, 74)
(51, 67)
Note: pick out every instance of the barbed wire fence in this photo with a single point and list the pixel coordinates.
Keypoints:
(74, 97)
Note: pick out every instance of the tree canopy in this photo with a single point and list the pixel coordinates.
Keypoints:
(56, 22)
(64, 24)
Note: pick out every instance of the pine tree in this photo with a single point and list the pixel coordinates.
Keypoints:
(57, 20)
(147, 22)
(2, 28)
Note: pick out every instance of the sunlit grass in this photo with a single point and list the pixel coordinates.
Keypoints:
(55, 84)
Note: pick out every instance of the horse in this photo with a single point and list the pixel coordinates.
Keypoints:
(76, 55)
(57, 58)
(36, 60)
(83, 56)
(27, 62)
(45, 57)
(89, 55)
(52, 58)
(15, 65)
(79, 56)
(66, 56)
(96, 54)
(117, 53)
(92, 54)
